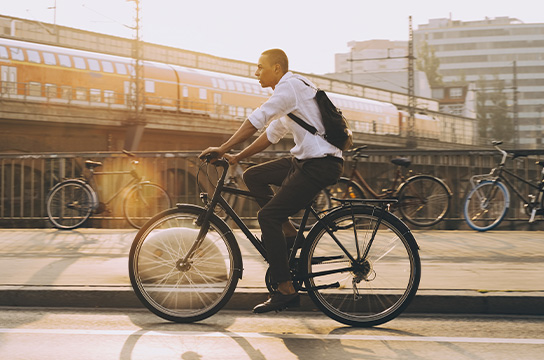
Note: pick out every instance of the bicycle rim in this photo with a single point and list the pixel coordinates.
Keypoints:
(184, 292)
(423, 201)
(143, 202)
(345, 189)
(486, 206)
(69, 205)
(376, 289)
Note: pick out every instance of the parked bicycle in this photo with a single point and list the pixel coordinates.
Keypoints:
(487, 203)
(72, 201)
(359, 263)
(423, 200)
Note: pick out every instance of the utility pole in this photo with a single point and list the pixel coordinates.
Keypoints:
(411, 140)
(515, 107)
(136, 91)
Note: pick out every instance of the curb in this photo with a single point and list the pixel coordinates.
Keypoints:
(425, 302)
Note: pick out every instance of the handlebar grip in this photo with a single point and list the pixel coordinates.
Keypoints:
(128, 153)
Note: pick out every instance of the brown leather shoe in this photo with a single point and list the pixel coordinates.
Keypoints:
(278, 301)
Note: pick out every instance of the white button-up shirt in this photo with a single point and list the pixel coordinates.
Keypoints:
(293, 96)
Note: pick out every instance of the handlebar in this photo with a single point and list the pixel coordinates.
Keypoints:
(504, 153)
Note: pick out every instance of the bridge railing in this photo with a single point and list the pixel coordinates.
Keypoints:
(27, 178)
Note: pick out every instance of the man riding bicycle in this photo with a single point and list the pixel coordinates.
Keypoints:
(313, 165)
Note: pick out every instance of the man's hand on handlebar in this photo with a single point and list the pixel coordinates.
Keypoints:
(211, 154)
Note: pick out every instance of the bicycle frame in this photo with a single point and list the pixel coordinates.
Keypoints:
(399, 179)
(135, 179)
(217, 199)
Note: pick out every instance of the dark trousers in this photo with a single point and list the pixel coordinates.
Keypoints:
(299, 182)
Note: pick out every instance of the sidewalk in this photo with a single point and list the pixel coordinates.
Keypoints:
(498, 272)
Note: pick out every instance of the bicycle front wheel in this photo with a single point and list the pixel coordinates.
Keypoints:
(354, 277)
(177, 287)
(69, 204)
(424, 201)
(486, 205)
(144, 201)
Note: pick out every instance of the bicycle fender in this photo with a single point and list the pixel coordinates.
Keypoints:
(94, 196)
(354, 183)
(450, 193)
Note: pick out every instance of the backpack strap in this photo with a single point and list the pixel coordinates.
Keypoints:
(303, 123)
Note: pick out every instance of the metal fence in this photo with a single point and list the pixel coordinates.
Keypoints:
(27, 178)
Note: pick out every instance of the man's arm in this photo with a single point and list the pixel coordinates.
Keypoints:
(257, 146)
(244, 132)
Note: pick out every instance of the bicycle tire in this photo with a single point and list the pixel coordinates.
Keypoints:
(345, 188)
(69, 204)
(423, 200)
(321, 203)
(143, 201)
(377, 289)
(176, 292)
(486, 205)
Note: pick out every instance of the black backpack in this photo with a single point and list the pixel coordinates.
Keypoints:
(337, 131)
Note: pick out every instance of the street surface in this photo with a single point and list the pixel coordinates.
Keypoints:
(44, 334)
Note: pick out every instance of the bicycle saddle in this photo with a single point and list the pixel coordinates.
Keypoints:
(89, 164)
(401, 162)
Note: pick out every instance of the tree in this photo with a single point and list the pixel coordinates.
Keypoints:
(429, 63)
(492, 112)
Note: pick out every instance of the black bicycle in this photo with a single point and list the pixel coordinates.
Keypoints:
(359, 263)
(487, 203)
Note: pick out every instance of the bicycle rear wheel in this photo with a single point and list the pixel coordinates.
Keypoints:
(184, 291)
(69, 204)
(380, 280)
(486, 205)
(424, 200)
(144, 201)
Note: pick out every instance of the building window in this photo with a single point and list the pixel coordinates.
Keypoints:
(94, 65)
(456, 93)
(51, 90)
(95, 95)
(49, 58)
(33, 56)
(149, 86)
(34, 89)
(438, 93)
(121, 69)
(3, 52)
(107, 66)
(17, 54)
(64, 60)
(79, 63)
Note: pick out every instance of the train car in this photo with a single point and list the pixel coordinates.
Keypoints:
(49, 73)
(425, 126)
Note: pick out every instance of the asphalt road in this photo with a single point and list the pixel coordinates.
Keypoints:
(45, 333)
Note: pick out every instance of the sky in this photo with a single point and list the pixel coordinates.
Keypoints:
(309, 31)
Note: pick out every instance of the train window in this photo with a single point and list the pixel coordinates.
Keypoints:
(94, 65)
(185, 91)
(79, 63)
(222, 84)
(107, 66)
(109, 96)
(64, 60)
(203, 94)
(81, 94)
(34, 88)
(241, 111)
(121, 69)
(230, 85)
(149, 86)
(17, 54)
(247, 87)
(95, 95)
(239, 86)
(66, 92)
(214, 82)
(33, 56)
(256, 89)
(232, 110)
(51, 90)
(49, 58)
(3, 52)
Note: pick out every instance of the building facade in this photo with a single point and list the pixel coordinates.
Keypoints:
(499, 53)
